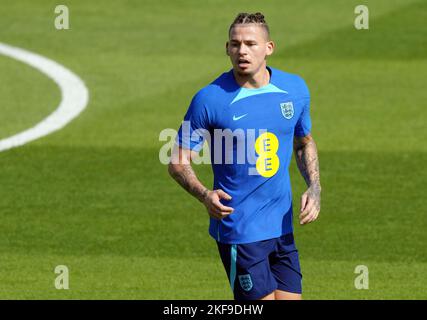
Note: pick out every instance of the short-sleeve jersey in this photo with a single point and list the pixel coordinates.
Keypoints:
(250, 135)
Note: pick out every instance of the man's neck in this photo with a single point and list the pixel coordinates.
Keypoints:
(258, 80)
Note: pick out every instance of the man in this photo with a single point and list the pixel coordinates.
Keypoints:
(250, 206)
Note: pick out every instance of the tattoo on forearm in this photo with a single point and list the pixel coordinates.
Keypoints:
(186, 177)
(308, 164)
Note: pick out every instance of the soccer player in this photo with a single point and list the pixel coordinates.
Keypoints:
(250, 205)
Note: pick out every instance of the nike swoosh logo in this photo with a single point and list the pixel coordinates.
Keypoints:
(239, 117)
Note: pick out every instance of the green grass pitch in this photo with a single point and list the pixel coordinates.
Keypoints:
(95, 197)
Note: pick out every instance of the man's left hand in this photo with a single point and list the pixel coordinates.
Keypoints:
(310, 205)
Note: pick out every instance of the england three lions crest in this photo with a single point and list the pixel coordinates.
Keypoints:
(287, 109)
(246, 282)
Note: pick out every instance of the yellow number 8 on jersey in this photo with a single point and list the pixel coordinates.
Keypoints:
(266, 147)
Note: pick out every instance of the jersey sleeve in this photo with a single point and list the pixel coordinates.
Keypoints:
(303, 125)
(191, 134)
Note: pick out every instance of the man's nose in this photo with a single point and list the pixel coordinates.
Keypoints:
(243, 49)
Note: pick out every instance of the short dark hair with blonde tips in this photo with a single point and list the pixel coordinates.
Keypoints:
(246, 18)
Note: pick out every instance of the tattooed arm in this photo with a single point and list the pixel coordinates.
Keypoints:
(308, 164)
(180, 169)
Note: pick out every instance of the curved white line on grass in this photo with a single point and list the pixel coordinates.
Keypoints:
(75, 96)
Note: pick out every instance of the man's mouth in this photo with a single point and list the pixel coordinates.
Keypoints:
(243, 63)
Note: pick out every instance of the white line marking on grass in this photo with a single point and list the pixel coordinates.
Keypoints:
(75, 96)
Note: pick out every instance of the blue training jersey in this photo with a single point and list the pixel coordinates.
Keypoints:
(250, 136)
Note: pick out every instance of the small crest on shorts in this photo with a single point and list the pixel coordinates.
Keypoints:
(287, 109)
(246, 282)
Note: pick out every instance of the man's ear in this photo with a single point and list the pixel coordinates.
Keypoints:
(226, 48)
(270, 47)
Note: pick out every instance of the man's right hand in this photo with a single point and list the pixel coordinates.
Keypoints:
(213, 205)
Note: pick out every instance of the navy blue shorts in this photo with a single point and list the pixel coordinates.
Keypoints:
(256, 269)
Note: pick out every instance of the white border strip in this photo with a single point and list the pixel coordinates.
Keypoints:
(75, 96)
